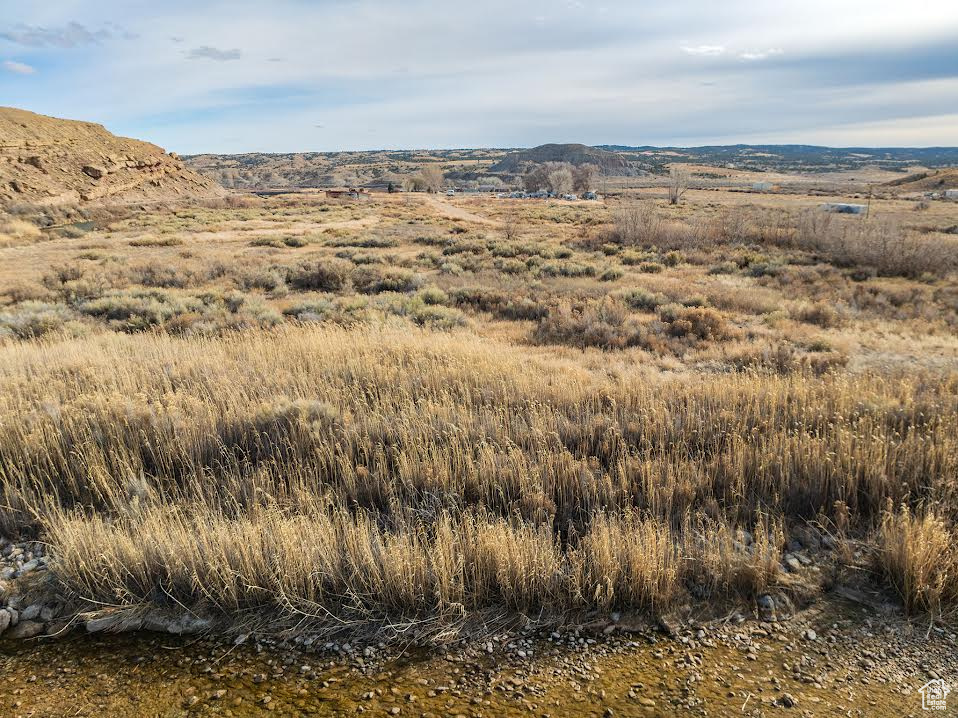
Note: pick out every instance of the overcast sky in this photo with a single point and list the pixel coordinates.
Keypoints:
(301, 75)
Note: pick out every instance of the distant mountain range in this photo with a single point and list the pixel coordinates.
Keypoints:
(798, 157)
(371, 168)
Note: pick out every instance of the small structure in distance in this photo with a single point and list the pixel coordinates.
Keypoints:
(845, 208)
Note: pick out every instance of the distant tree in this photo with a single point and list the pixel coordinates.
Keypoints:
(583, 177)
(557, 177)
(561, 180)
(432, 177)
(678, 184)
(535, 178)
(414, 183)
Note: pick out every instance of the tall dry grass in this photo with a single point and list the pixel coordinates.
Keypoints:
(379, 474)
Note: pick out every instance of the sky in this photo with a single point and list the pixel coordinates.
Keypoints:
(324, 75)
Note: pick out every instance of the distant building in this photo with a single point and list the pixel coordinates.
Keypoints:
(845, 208)
(951, 194)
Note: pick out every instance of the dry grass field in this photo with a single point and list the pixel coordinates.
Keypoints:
(427, 413)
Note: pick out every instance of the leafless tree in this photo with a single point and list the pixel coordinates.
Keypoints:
(414, 183)
(560, 180)
(678, 184)
(536, 177)
(583, 177)
(433, 177)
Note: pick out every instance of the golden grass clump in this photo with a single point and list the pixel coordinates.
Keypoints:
(376, 474)
(918, 556)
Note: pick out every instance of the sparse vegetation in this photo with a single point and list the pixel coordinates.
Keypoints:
(335, 414)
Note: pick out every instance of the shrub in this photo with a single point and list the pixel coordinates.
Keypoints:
(650, 268)
(511, 266)
(433, 296)
(611, 274)
(821, 314)
(605, 324)
(567, 269)
(33, 319)
(636, 223)
(498, 303)
(140, 309)
(784, 358)
(338, 310)
(156, 242)
(364, 242)
(267, 280)
(17, 231)
(427, 315)
(643, 300)
(372, 280)
(724, 268)
(322, 275)
(877, 244)
(704, 324)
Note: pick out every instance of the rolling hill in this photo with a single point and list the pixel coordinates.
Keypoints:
(50, 161)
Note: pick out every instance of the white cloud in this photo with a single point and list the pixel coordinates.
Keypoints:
(72, 34)
(705, 50)
(433, 73)
(214, 53)
(18, 68)
(752, 55)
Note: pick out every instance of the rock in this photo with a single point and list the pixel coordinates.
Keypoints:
(810, 634)
(766, 607)
(31, 612)
(793, 564)
(4, 620)
(26, 629)
(178, 625)
(94, 171)
(786, 700)
(117, 622)
(669, 626)
(35, 161)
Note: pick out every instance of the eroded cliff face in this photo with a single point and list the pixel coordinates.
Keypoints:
(49, 161)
